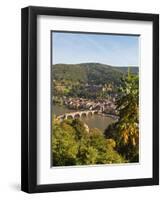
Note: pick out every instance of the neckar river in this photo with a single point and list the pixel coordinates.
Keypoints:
(93, 121)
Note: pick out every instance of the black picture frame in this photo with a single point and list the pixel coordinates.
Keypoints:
(29, 99)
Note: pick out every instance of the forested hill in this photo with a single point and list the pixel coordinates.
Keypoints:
(92, 73)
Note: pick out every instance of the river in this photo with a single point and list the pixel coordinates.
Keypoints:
(93, 121)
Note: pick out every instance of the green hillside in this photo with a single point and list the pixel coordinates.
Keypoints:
(91, 73)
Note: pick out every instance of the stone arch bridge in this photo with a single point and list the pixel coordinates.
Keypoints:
(77, 114)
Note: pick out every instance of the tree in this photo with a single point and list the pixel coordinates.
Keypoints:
(64, 146)
(74, 144)
(126, 130)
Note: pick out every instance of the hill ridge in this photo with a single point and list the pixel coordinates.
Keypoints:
(93, 73)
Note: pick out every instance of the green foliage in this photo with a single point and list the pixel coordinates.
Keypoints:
(71, 80)
(80, 129)
(64, 146)
(126, 131)
(92, 73)
(73, 144)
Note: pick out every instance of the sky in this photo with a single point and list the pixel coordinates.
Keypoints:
(74, 48)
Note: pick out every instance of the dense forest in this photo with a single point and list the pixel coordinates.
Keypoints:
(73, 142)
(90, 73)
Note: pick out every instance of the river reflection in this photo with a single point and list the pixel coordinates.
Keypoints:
(93, 121)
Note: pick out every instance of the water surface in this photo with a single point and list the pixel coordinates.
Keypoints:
(93, 121)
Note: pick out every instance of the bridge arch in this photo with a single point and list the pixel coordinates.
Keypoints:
(77, 114)
(84, 114)
(70, 117)
(90, 113)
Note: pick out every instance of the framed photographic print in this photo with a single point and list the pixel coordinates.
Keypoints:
(90, 99)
